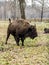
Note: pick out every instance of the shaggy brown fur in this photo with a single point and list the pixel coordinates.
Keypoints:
(21, 29)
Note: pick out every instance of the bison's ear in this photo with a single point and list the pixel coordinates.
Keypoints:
(45, 29)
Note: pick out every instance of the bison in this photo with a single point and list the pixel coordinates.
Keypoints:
(20, 29)
(46, 30)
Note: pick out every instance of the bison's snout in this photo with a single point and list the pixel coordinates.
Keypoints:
(35, 35)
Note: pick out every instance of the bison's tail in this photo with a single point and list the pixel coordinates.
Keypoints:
(9, 20)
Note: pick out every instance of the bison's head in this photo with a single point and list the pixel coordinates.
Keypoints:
(32, 32)
(46, 30)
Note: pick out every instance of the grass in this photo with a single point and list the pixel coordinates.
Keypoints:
(35, 52)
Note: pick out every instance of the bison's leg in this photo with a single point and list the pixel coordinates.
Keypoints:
(17, 40)
(22, 39)
(8, 34)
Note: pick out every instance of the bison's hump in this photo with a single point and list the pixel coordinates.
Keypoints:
(19, 26)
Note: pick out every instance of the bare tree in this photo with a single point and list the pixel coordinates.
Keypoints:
(14, 8)
(42, 9)
(5, 10)
(22, 8)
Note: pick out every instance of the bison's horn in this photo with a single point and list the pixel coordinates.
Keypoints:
(9, 20)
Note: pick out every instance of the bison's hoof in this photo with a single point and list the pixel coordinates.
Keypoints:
(22, 44)
(17, 44)
(5, 43)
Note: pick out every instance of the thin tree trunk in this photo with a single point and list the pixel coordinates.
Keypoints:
(5, 10)
(42, 14)
(14, 9)
(42, 10)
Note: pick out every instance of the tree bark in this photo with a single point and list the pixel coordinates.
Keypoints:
(22, 8)
(42, 10)
(14, 9)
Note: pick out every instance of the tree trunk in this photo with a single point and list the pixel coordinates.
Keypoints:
(22, 8)
(14, 9)
(42, 10)
(5, 10)
(42, 14)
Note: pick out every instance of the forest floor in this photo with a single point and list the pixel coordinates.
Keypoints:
(35, 52)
